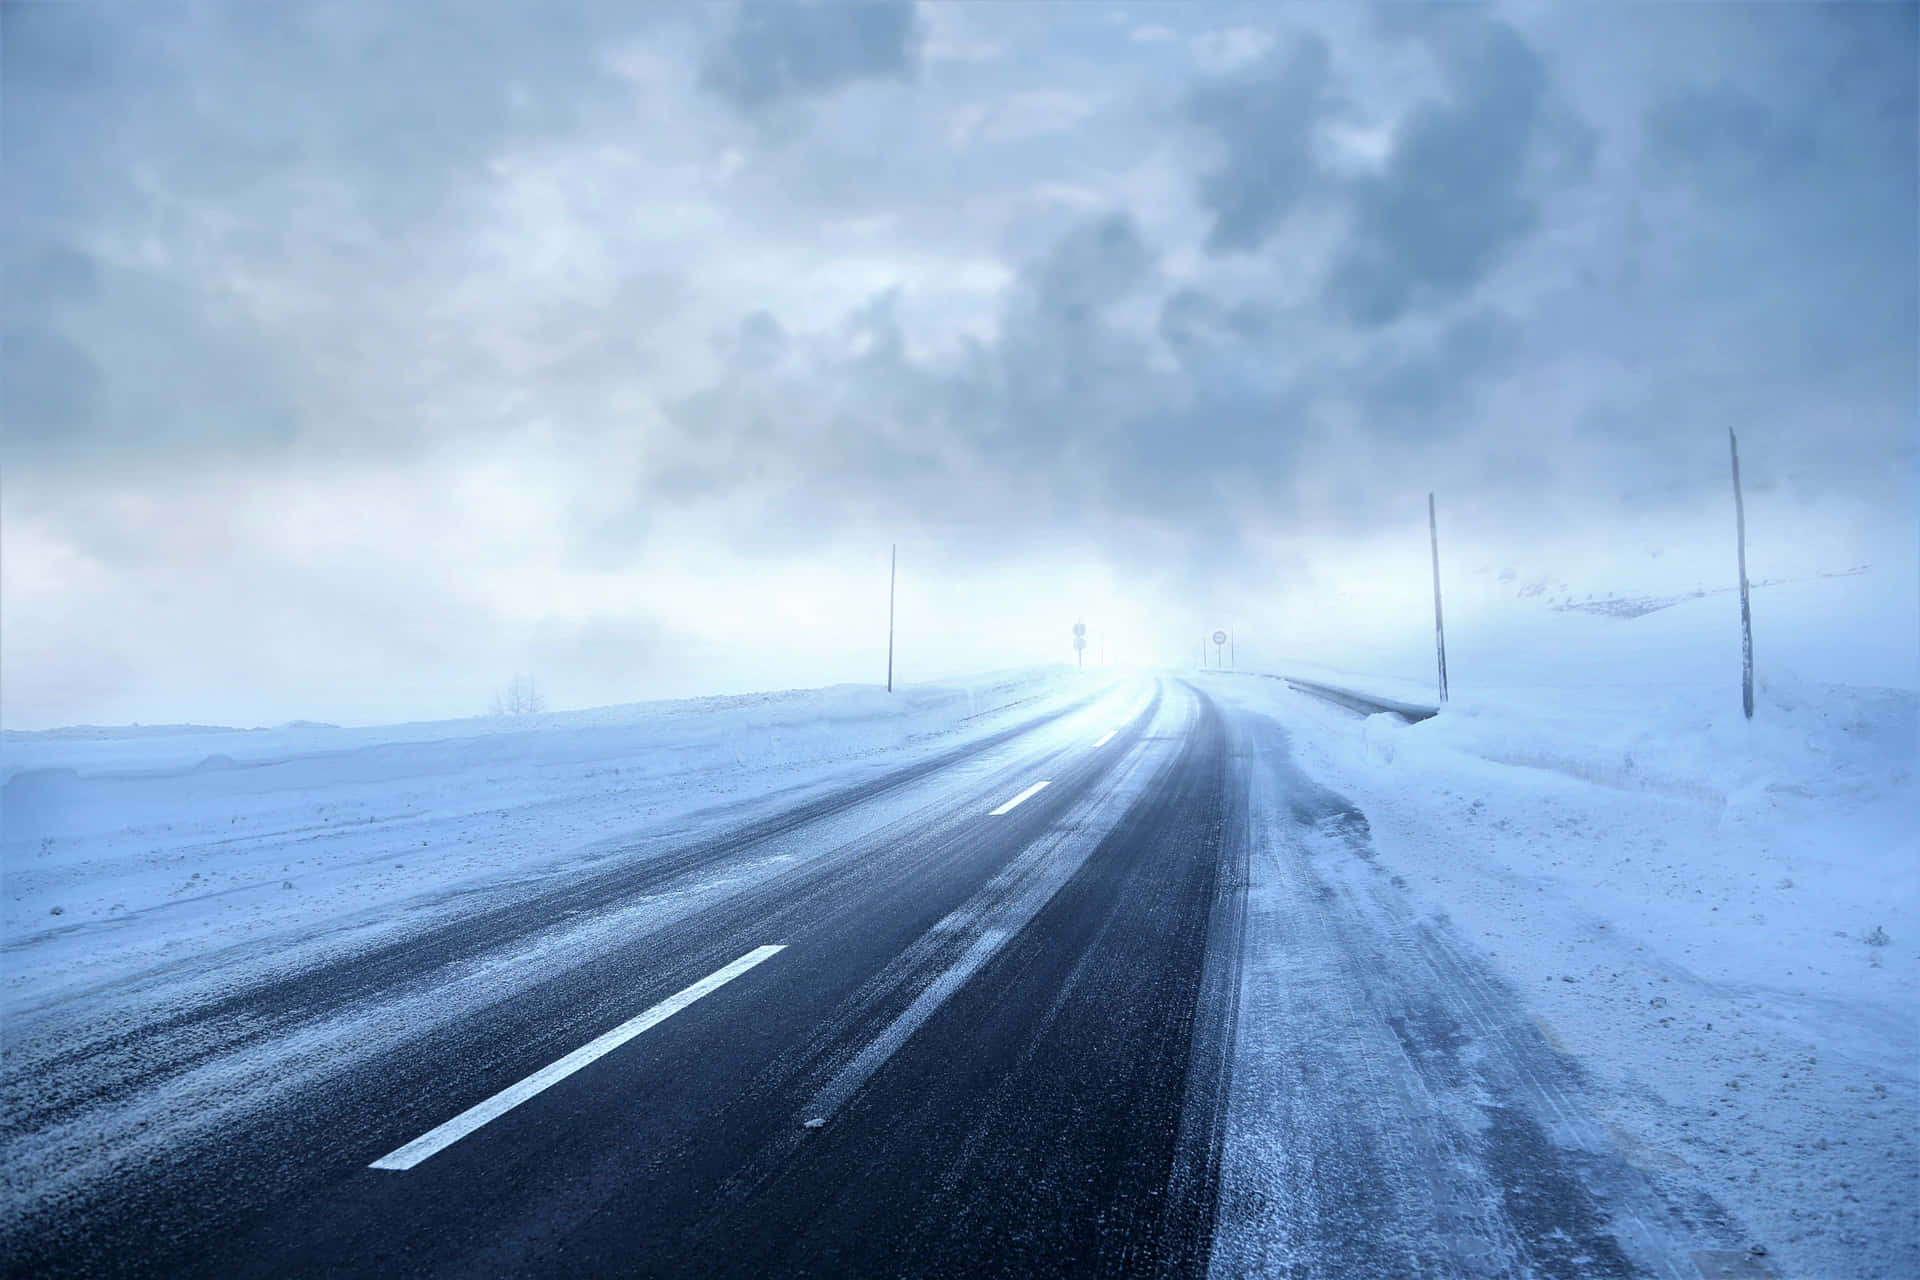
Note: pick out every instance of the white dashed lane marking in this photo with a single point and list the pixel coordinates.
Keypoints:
(1026, 795)
(439, 1139)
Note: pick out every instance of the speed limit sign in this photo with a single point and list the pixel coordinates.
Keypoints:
(1219, 637)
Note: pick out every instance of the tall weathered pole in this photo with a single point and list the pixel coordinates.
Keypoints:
(1439, 624)
(1746, 613)
(893, 562)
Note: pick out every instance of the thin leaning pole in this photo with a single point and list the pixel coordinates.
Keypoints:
(893, 564)
(1746, 612)
(1439, 624)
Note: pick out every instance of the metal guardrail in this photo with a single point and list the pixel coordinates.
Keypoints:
(1367, 703)
(1352, 699)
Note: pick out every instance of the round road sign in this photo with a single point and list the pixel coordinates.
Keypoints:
(1219, 637)
(1079, 628)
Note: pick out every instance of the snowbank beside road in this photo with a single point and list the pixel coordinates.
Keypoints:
(1719, 919)
(122, 851)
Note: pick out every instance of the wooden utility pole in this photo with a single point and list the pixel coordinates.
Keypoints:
(1439, 624)
(893, 562)
(1746, 613)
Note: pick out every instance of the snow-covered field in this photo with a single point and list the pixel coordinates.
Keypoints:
(1720, 919)
(123, 852)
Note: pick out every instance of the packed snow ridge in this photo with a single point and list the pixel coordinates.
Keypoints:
(1716, 917)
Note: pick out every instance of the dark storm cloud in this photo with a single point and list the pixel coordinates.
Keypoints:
(1093, 266)
(1812, 192)
(1264, 120)
(860, 428)
(214, 100)
(49, 386)
(821, 438)
(1432, 390)
(1103, 390)
(1782, 243)
(760, 343)
(1455, 195)
(172, 377)
(1726, 141)
(56, 275)
(1237, 408)
(202, 143)
(1458, 188)
(1060, 425)
(780, 49)
(1067, 377)
(1193, 322)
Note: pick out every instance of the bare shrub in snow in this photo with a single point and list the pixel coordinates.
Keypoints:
(521, 697)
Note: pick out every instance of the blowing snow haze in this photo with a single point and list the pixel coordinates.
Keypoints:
(359, 356)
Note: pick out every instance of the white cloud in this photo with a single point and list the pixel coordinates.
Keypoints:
(1355, 149)
(953, 36)
(1019, 117)
(1227, 49)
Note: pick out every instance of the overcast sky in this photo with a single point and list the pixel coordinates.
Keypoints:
(360, 355)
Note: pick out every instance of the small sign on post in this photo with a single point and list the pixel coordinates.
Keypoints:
(1219, 638)
(1080, 644)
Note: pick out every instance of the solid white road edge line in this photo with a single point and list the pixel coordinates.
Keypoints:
(1104, 741)
(1028, 794)
(439, 1139)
